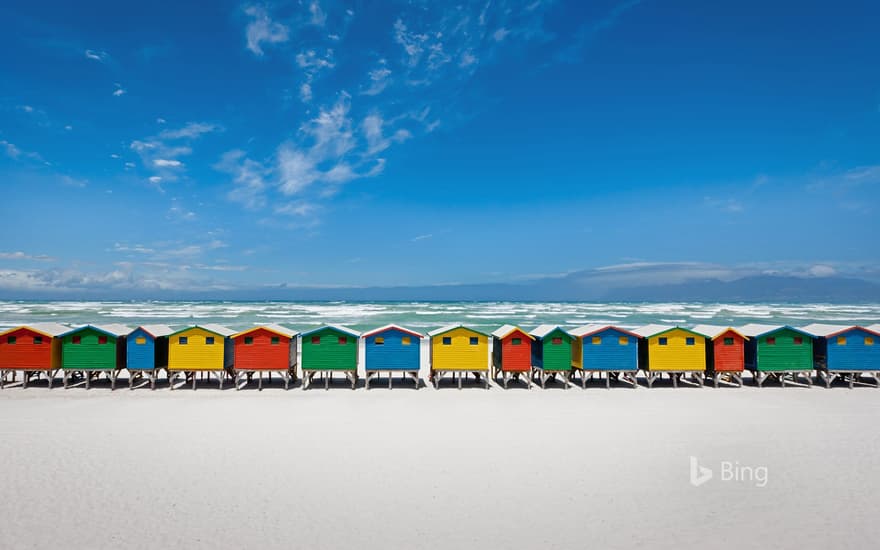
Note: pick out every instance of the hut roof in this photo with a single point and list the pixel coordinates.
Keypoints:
(114, 330)
(502, 332)
(541, 331)
(156, 331)
(827, 331)
(46, 329)
(277, 329)
(338, 328)
(715, 331)
(392, 327)
(756, 330)
(219, 330)
(447, 328)
(587, 330)
(874, 328)
(649, 331)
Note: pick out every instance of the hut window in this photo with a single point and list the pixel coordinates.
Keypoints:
(841, 340)
(182, 341)
(869, 340)
(556, 340)
(623, 340)
(10, 339)
(728, 341)
(771, 341)
(102, 339)
(140, 340)
(474, 340)
(689, 341)
(516, 342)
(343, 340)
(248, 340)
(406, 340)
(447, 341)
(209, 340)
(662, 341)
(38, 340)
(76, 340)
(316, 340)
(275, 340)
(798, 340)
(380, 341)
(597, 340)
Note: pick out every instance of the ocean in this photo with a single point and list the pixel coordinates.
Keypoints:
(429, 315)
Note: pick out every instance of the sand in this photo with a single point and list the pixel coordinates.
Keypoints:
(436, 469)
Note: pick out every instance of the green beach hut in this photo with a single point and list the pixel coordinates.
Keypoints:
(327, 350)
(551, 354)
(776, 351)
(92, 350)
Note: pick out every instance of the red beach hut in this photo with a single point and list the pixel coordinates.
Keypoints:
(726, 355)
(34, 350)
(265, 349)
(512, 354)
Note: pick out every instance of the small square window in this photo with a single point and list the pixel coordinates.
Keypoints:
(183, 340)
(516, 341)
(343, 340)
(623, 340)
(597, 340)
(771, 341)
(869, 340)
(798, 340)
(102, 339)
(379, 341)
(662, 341)
(406, 340)
(76, 339)
(38, 340)
(689, 341)
(248, 340)
(275, 340)
(209, 340)
(474, 340)
(841, 340)
(10, 339)
(728, 341)
(140, 340)
(316, 340)
(556, 340)
(447, 341)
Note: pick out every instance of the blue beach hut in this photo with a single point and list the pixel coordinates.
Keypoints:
(146, 353)
(845, 351)
(605, 349)
(392, 349)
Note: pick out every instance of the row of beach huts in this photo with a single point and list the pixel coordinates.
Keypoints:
(545, 354)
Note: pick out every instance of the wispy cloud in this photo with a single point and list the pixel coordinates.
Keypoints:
(161, 153)
(418, 238)
(97, 55)
(248, 177)
(191, 130)
(18, 255)
(14, 152)
(263, 30)
(575, 47)
(119, 91)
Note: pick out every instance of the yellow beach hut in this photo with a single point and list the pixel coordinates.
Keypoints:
(200, 349)
(675, 351)
(458, 350)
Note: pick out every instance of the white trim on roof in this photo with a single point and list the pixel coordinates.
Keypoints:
(541, 331)
(391, 327)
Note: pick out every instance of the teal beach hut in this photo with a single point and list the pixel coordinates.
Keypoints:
(848, 352)
(392, 349)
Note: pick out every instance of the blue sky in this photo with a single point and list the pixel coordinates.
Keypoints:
(163, 146)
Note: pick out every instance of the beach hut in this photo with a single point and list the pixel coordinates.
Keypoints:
(327, 350)
(845, 351)
(146, 353)
(674, 351)
(551, 354)
(265, 349)
(512, 354)
(32, 349)
(204, 350)
(778, 351)
(604, 349)
(459, 350)
(725, 357)
(92, 350)
(392, 349)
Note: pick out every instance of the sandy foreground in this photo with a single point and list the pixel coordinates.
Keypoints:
(437, 469)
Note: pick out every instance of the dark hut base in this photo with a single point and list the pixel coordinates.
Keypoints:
(26, 376)
(696, 376)
(436, 375)
(308, 375)
(729, 377)
(849, 376)
(782, 375)
(541, 376)
(507, 375)
(371, 374)
(288, 375)
(136, 375)
(628, 376)
(190, 375)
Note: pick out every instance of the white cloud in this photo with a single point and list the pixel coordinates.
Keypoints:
(167, 163)
(821, 270)
(68, 127)
(19, 255)
(262, 29)
(305, 92)
(160, 120)
(248, 177)
(97, 55)
(500, 34)
(298, 208)
(10, 149)
(318, 17)
(119, 91)
(191, 130)
(155, 179)
(379, 79)
(418, 238)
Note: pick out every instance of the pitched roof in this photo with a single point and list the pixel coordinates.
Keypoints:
(277, 329)
(447, 328)
(715, 331)
(114, 330)
(219, 330)
(505, 330)
(541, 331)
(338, 328)
(392, 327)
(156, 331)
(757, 329)
(587, 330)
(46, 329)
(827, 331)
(649, 331)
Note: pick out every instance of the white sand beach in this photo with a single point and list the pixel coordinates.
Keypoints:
(436, 469)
